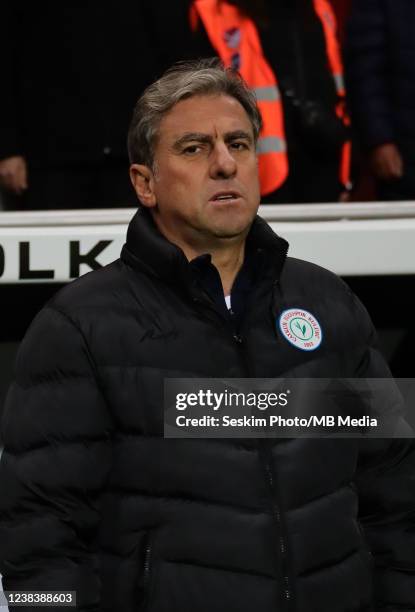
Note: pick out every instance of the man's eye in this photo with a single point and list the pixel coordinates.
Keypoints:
(192, 149)
(239, 146)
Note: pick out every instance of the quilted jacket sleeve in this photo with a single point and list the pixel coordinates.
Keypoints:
(56, 429)
(366, 69)
(386, 486)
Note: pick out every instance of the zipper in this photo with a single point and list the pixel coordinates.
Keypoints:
(264, 452)
(147, 562)
(146, 566)
(366, 549)
(228, 326)
(287, 593)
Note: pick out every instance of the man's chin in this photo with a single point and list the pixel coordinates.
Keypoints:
(231, 232)
(228, 226)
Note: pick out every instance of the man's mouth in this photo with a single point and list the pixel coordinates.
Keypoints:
(223, 196)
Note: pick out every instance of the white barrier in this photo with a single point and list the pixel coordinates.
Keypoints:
(350, 239)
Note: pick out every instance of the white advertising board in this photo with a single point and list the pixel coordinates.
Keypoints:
(349, 239)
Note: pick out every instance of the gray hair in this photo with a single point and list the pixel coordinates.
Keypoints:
(181, 81)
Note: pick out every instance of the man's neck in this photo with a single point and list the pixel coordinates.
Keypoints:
(227, 253)
(227, 257)
(228, 264)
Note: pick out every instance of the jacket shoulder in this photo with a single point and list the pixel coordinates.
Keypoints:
(323, 289)
(96, 289)
(305, 274)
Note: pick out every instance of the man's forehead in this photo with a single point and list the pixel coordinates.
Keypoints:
(211, 115)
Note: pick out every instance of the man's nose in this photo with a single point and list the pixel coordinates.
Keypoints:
(223, 164)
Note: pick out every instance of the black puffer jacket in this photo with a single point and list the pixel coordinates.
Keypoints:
(95, 500)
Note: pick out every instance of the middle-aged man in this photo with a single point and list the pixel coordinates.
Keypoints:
(95, 500)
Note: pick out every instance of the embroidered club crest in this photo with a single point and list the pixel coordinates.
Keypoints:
(301, 329)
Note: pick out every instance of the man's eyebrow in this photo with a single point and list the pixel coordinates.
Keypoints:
(192, 137)
(207, 139)
(238, 134)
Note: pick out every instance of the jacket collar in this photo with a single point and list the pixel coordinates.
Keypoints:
(148, 250)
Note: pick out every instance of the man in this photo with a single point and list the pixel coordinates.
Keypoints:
(97, 501)
(380, 70)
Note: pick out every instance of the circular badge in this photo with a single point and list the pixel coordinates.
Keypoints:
(301, 329)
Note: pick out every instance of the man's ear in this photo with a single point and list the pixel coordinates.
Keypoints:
(142, 178)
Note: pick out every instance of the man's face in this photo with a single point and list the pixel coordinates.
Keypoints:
(205, 184)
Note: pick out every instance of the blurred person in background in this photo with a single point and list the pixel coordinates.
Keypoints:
(287, 51)
(70, 75)
(380, 70)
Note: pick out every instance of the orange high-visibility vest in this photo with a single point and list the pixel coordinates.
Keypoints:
(328, 19)
(236, 41)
